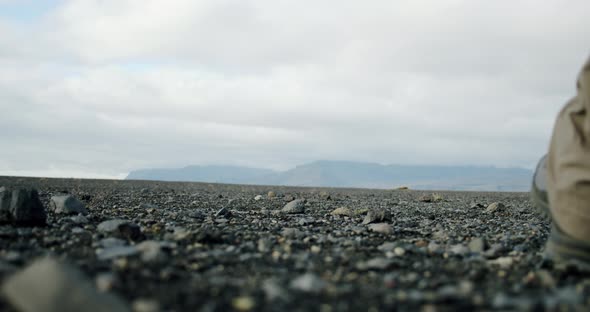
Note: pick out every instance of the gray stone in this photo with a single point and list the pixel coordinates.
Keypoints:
(295, 206)
(459, 249)
(308, 282)
(375, 264)
(223, 212)
(145, 305)
(116, 252)
(292, 233)
(154, 251)
(56, 287)
(111, 242)
(79, 219)
(342, 211)
(120, 228)
(495, 207)
(476, 245)
(377, 215)
(383, 228)
(67, 204)
(22, 207)
(273, 290)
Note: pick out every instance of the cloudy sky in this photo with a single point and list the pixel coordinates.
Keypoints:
(96, 88)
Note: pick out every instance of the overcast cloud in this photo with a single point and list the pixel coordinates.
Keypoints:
(96, 88)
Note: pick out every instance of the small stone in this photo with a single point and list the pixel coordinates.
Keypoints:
(145, 305)
(495, 207)
(147, 206)
(309, 283)
(546, 279)
(398, 251)
(342, 211)
(476, 245)
(154, 251)
(502, 262)
(291, 233)
(375, 264)
(79, 219)
(295, 206)
(271, 194)
(273, 290)
(243, 303)
(264, 245)
(377, 215)
(425, 199)
(22, 207)
(388, 246)
(111, 242)
(120, 228)
(56, 287)
(223, 212)
(67, 204)
(459, 249)
(258, 197)
(116, 252)
(105, 281)
(315, 249)
(382, 228)
(325, 195)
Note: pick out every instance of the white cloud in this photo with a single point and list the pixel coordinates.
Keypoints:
(103, 87)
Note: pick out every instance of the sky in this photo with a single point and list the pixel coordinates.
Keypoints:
(97, 88)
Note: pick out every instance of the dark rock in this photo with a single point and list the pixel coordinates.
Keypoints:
(22, 207)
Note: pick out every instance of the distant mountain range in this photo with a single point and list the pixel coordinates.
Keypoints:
(353, 174)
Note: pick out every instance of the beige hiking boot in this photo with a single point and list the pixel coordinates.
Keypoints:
(561, 185)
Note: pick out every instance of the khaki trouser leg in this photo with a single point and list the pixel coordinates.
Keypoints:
(568, 162)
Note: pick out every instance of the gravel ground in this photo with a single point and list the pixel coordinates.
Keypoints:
(214, 247)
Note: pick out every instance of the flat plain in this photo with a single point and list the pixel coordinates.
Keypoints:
(215, 247)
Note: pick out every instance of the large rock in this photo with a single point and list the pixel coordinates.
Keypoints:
(67, 204)
(295, 206)
(22, 207)
(120, 228)
(50, 286)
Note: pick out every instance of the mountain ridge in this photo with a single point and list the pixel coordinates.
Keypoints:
(336, 173)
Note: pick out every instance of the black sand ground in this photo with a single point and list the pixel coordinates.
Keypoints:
(433, 258)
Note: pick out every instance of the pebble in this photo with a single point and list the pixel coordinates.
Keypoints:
(111, 242)
(342, 211)
(120, 228)
(377, 215)
(116, 252)
(291, 233)
(308, 282)
(223, 212)
(495, 207)
(383, 228)
(295, 206)
(258, 197)
(79, 219)
(154, 251)
(243, 303)
(67, 204)
(375, 264)
(502, 262)
(145, 305)
(105, 281)
(476, 245)
(22, 207)
(273, 290)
